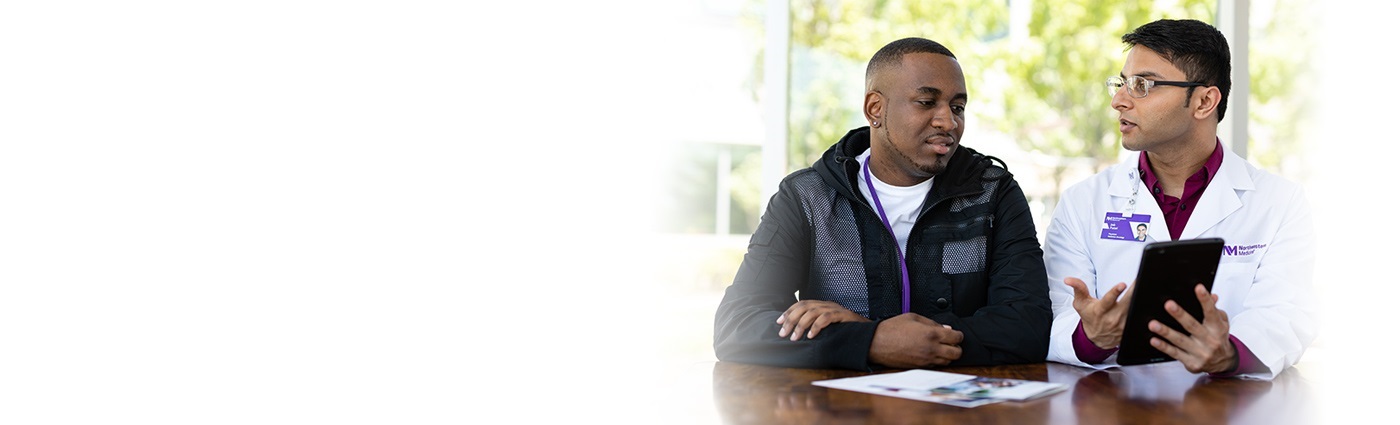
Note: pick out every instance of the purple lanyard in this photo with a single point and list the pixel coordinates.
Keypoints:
(903, 269)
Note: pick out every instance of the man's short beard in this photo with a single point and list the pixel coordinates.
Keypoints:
(933, 170)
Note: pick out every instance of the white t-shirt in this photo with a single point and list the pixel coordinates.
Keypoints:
(901, 204)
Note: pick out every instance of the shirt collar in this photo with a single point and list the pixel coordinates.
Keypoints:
(1207, 172)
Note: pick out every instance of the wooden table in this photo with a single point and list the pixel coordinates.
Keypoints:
(1163, 393)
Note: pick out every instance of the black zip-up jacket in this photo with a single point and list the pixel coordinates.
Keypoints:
(974, 264)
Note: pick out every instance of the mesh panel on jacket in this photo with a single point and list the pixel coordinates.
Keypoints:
(837, 271)
(967, 256)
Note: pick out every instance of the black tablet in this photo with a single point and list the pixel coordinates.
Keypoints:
(1168, 271)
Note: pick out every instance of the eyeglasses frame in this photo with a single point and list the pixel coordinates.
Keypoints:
(1147, 89)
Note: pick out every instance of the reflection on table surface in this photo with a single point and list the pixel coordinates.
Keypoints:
(1162, 393)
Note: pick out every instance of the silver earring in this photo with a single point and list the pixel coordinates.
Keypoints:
(874, 123)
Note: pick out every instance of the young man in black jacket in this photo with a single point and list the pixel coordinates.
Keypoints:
(904, 249)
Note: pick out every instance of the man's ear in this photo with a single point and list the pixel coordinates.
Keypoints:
(1206, 102)
(874, 108)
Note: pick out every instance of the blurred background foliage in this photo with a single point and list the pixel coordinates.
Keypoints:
(1035, 70)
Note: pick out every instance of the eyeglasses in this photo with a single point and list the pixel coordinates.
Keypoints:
(1138, 86)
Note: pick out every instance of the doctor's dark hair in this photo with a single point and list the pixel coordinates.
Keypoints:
(1194, 47)
(892, 54)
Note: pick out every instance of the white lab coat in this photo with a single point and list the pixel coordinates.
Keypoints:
(1266, 291)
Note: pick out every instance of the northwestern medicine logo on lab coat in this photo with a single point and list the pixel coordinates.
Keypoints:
(1243, 250)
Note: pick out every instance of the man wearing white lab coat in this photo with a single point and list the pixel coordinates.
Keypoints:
(1260, 314)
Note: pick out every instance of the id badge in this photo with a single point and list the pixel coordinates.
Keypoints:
(1126, 227)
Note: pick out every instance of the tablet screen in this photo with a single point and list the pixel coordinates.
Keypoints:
(1168, 271)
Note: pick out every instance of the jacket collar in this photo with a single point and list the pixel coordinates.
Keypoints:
(838, 168)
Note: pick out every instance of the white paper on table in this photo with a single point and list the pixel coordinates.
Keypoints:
(942, 387)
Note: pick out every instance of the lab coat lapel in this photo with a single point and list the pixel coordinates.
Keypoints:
(1221, 198)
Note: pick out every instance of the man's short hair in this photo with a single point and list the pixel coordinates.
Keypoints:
(1194, 47)
(892, 54)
